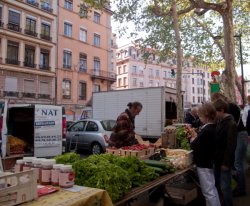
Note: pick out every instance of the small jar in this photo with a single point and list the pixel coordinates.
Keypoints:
(66, 176)
(55, 174)
(27, 163)
(19, 165)
(36, 165)
(47, 166)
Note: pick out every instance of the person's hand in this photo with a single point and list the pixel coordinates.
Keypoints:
(224, 168)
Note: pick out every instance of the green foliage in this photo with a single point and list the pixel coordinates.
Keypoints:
(114, 174)
(182, 137)
(67, 158)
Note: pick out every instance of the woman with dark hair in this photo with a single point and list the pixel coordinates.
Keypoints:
(123, 133)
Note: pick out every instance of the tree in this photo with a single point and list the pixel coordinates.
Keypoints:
(146, 15)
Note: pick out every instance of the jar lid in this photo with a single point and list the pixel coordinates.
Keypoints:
(57, 166)
(47, 162)
(20, 161)
(66, 167)
(28, 159)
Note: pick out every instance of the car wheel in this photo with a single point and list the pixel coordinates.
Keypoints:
(96, 148)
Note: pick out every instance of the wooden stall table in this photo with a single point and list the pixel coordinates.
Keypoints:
(135, 192)
(85, 197)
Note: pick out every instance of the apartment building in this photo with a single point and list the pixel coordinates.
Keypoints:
(28, 35)
(84, 55)
(133, 72)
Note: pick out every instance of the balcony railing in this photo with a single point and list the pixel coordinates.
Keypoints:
(12, 61)
(30, 32)
(44, 67)
(46, 7)
(66, 66)
(29, 64)
(66, 96)
(43, 96)
(45, 37)
(104, 75)
(10, 94)
(14, 27)
(29, 95)
(32, 2)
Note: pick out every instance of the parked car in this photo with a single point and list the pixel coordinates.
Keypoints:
(89, 134)
(69, 123)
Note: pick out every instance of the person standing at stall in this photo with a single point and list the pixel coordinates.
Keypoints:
(203, 151)
(192, 118)
(123, 133)
(224, 147)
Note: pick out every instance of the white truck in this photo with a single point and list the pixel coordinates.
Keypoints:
(42, 127)
(158, 106)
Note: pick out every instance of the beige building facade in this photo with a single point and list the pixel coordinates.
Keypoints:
(133, 72)
(84, 56)
(28, 34)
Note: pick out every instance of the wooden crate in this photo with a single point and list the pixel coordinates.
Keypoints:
(17, 188)
(113, 151)
(179, 195)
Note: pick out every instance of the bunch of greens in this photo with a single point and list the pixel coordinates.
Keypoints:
(182, 137)
(67, 158)
(114, 174)
(102, 175)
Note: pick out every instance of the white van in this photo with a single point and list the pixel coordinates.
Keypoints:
(42, 127)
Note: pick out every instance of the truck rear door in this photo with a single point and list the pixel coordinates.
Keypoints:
(48, 131)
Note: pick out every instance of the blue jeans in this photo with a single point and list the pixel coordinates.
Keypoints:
(223, 185)
(240, 158)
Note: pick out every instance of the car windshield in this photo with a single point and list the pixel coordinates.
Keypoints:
(108, 124)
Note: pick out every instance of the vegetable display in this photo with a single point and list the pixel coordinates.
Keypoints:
(183, 135)
(116, 175)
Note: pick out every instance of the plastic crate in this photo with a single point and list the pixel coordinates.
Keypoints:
(16, 188)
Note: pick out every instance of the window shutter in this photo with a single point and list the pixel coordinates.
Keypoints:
(11, 84)
(14, 17)
(44, 88)
(29, 86)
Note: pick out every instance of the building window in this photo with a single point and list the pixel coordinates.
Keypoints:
(133, 69)
(124, 81)
(10, 84)
(83, 35)
(97, 40)
(66, 89)
(119, 70)
(134, 82)
(44, 88)
(151, 72)
(151, 83)
(192, 80)
(82, 91)
(124, 68)
(29, 86)
(29, 58)
(83, 62)
(193, 99)
(68, 4)
(97, 17)
(14, 21)
(1, 23)
(141, 71)
(45, 5)
(67, 55)
(45, 31)
(165, 74)
(12, 53)
(193, 90)
(30, 27)
(141, 84)
(97, 63)
(119, 82)
(67, 29)
(83, 12)
(44, 59)
(96, 88)
(157, 73)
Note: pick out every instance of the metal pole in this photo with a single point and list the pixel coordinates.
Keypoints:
(242, 71)
(203, 97)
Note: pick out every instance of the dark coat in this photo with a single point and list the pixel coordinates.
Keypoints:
(203, 146)
(193, 121)
(226, 142)
(123, 133)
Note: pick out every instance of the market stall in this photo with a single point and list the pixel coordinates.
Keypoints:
(86, 196)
